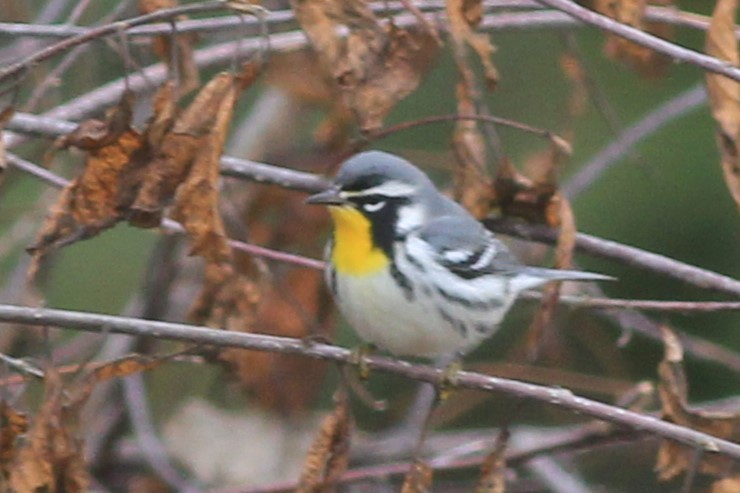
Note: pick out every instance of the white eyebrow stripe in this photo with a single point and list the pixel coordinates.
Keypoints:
(389, 189)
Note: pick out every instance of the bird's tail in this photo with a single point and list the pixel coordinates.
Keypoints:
(566, 275)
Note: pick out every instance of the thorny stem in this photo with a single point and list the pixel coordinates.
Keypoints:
(98, 323)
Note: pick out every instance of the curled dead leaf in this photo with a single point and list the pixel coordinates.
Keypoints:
(93, 201)
(328, 457)
(52, 456)
(418, 479)
(673, 457)
(646, 61)
(12, 425)
(464, 16)
(375, 65)
(473, 185)
(493, 469)
(724, 93)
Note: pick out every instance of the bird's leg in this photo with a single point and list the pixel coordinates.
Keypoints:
(358, 359)
(448, 379)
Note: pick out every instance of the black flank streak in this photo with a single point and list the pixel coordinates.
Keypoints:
(333, 283)
(484, 305)
(403, 281)
(455, 323)
(414, 262)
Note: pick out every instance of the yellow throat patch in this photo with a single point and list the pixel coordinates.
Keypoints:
(354, 252)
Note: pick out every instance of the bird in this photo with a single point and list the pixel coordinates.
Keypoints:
(411, 270)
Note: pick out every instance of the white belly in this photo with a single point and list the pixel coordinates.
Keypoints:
(378, 310)
(427, 325)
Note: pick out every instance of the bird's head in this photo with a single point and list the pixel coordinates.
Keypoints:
(381, 193)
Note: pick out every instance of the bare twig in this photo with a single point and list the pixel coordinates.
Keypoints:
(559, 397)
(169, 224)
(16, 69)
(673, 109)
(676, 52)
(646, 305)
(624, 254)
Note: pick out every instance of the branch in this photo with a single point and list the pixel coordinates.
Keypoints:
(673, 109)
(120, 26)
(676, 52)
(98, 323)
(644, 305)
(624, 254)
(296, 180)
(174, 226)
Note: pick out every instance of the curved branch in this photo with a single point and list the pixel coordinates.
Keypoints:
(676, 52)
(17, 68)
(98, 323)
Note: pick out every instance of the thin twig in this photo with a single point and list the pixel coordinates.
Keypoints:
(668, 112)
(676, 52)
(646, 305)
(98, 323)
(17, 68)
(169, 224)
(623, 254)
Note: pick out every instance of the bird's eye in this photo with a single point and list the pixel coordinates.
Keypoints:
(373, 206)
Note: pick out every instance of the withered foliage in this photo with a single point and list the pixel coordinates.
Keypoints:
(724, 93)
(328, 456)
(295, 303)
(418, 479)
(375, 66)
(464, 16)
(136, 176)
(675, 458)
(50, 457)
(493, 469)
(646, 61)
(473, 185)
(539, 200)
(176, 50)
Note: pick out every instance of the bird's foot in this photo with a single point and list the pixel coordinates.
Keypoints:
(358, 359)
(448, 380)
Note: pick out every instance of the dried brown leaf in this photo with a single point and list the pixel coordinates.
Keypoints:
(295, 303)
(179, 57)
(726, 485)
(464, 16)
(646, 61)
(328, 457)
(12, 425)
(473, 185)
(558, 213)
(92, 202)
(196, 201)
(493, 469)
(185, 165)
(418, 479)
(724, 93)
(227, 300)
(375, 65)
(52, 456)
(673, 457)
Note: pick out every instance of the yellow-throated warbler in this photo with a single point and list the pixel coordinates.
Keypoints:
(411, 270)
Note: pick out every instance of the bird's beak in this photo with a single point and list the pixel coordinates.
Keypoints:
(327, 197)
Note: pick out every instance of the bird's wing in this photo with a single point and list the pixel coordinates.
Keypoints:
(463, 246)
